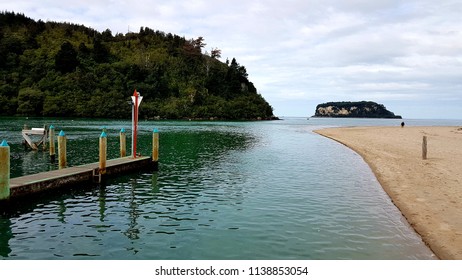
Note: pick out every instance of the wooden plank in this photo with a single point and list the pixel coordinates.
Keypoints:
(34, 183)
(34, 131)
(73, 170)
(29, 141)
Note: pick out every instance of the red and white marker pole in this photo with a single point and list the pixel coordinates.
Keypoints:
(136, 99)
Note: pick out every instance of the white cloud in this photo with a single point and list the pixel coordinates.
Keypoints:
(305, 51)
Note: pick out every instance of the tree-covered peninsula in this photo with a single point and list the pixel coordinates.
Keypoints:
(63, 69)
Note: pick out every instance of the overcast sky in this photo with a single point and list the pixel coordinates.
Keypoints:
(406, 55)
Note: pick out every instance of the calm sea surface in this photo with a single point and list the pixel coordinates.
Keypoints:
(224, 190)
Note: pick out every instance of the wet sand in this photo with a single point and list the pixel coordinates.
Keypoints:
(427, 192)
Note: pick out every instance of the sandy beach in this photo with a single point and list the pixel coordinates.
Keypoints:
(427, 192)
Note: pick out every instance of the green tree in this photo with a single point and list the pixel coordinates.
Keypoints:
(100, 52)
(215, 53)
(66, 59)
(30, 102)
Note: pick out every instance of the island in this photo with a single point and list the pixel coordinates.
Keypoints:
(359, 109)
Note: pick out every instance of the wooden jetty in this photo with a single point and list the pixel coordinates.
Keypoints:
(82, 174)
(12, 188)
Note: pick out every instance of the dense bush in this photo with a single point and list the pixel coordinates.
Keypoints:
(63, 69)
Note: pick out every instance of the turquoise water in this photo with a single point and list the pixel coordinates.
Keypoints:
(224, 190)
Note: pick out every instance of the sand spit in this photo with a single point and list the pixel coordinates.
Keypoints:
(428, 192)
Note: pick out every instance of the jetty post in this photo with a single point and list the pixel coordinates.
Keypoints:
(424, 147)
(62, 149)
(102, 152)
(4, 170)
(51, 136)
(136, 100)
(155, 147)
(123, 143)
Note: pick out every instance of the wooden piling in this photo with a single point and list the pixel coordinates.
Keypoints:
(155, 145)
(44, 138)
(4, 170)
(51, 135)
(62, 150)
(424, 147)
(102, 152)
(123, 143)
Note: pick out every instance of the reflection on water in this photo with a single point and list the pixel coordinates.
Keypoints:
(6, 235)
(264, 190)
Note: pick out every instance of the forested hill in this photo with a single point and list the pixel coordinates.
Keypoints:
(64, 69)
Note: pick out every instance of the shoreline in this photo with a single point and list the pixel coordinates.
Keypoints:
(427, 192)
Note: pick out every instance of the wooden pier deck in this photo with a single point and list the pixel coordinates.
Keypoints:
(30, 184)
